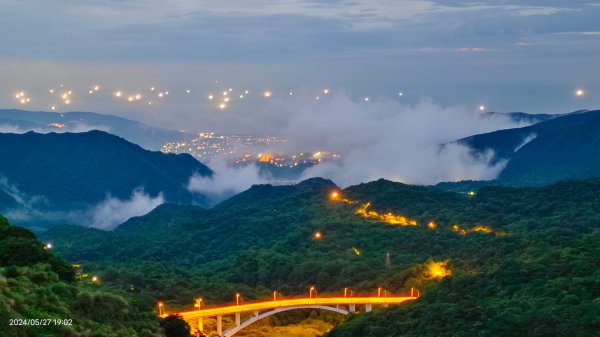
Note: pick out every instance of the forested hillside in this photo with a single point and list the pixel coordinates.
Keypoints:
(503, 260)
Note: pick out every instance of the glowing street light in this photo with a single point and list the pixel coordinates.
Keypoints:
(237, 299)
(310, 292)
(275, 295)
(381, 290)
(334, 195)
(268, 94)
(317, 235)
(346, 292)
(160, 308)
(198, 303)
(482, 108)
(580, 93)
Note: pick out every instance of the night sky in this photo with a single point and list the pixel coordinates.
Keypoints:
(506, 55)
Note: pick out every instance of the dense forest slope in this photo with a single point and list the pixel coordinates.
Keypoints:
(504, 262)
(35, 285)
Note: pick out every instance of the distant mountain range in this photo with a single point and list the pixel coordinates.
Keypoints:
(72, 171)
(522, 117)
(562, 148)
(148, 137)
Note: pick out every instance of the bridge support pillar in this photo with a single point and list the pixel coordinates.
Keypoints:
(352, 308)
(255, 314)
(368, 307)
(201, 324)
(238, 320)
(219, 325)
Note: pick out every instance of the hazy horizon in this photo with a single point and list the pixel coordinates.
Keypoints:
(507, 56)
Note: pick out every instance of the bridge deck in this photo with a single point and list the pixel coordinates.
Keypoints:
(268, 305)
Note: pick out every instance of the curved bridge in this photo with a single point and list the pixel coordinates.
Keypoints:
(260, 310)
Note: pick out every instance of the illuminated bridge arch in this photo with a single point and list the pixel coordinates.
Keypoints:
(264, 309)
(235, 329)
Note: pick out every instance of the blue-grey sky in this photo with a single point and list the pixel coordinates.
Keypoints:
(510, 55)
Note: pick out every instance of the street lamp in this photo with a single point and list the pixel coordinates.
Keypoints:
(346, 292)
(237, 299)
(310, 292)
(198, 303)
(379, 291)
(275, 295)
(160, 308)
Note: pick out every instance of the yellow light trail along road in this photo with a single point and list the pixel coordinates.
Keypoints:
(268, 305)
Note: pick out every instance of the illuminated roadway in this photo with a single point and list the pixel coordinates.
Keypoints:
(260, 310)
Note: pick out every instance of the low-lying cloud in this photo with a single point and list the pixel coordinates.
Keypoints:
(226, 180)
(376, 139)
(106, 215)
(386, 139)
(112, 211)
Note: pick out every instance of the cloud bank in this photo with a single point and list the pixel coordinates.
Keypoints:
(377, 139)
(105, 215)
(226, 181)
(112, 211)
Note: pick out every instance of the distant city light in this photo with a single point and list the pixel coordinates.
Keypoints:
(367, 99)
(326, 91)
(400, 94)
(482, 108)
(118, 94)
(580, 92)
(188, 91)
(317, 235)
(210, 97)
(222, 106)
(267, 94)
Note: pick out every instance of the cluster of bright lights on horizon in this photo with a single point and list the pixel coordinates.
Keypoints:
(225, 99)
